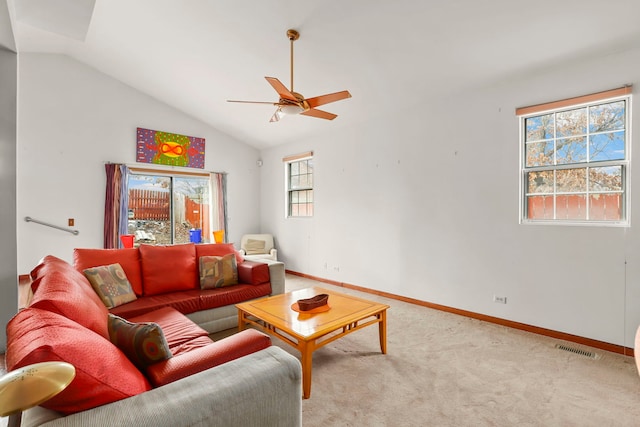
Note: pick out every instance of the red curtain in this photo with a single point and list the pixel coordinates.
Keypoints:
(115, 204)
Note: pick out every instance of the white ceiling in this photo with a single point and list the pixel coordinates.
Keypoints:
(196, 54)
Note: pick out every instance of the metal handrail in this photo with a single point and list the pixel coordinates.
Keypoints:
(68, 230)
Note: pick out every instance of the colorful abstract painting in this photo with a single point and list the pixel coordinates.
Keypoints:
(164, 148)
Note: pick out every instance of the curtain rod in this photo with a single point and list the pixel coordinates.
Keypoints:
(153, 168)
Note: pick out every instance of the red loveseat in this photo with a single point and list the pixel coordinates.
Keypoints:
(66, 320)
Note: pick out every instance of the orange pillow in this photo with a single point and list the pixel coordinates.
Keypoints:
(169, 268)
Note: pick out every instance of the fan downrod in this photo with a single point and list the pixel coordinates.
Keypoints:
(293, 36)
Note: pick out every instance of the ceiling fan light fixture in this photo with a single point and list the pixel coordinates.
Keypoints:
(291, 110)
(291, 103)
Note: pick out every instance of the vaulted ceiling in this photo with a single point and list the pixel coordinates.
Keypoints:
(391, 55)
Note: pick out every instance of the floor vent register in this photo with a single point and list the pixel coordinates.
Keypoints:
(590, 354)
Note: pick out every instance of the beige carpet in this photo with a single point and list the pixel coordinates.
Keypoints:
(446, 370)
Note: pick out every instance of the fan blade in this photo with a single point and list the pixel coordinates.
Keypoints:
(319, 114)
(281, 89)
(325, 99)
(254, 102)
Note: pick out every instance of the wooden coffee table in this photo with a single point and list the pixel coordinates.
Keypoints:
(308, 332)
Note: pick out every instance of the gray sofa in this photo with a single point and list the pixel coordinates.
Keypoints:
(262, 389)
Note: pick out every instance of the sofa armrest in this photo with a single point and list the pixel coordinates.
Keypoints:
(253, 273)
(263, 388)
(276, 275)
(197, 360)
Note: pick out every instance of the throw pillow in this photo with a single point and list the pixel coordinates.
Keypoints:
(143, 343)
(111, 284)
(253, 246)
(216, 272)
(129, 260)
(218, 249)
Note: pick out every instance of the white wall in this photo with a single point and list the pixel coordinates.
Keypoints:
(8, 109)
(425, 205)
(71, 120)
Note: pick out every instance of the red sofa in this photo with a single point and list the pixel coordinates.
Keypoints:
(164, 276)
(66, 320)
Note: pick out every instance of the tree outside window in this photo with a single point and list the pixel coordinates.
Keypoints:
(575, 163)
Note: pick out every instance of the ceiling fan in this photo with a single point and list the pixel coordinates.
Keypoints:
(291, 102)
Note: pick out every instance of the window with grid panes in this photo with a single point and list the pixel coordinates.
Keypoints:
(575, 160)
(300, 187)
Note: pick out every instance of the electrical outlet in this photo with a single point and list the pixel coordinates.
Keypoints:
(71, 222)
(499, 300)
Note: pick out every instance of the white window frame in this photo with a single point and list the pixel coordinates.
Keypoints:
(288, 161)
(619, 94)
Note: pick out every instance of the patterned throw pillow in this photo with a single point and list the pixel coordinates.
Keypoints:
(253, 247)
(216, 272)
(111, 284)
(143, 343)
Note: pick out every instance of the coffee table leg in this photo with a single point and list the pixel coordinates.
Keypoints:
(306, 356)
(382, 326)
(240, 320)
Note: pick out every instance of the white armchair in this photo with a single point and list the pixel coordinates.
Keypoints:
(258, 246)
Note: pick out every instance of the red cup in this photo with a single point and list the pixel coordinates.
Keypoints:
(127, 240)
